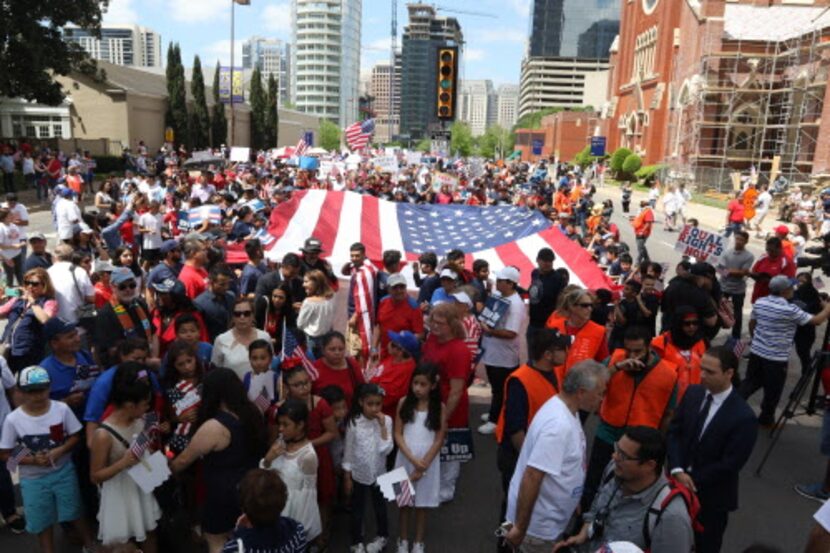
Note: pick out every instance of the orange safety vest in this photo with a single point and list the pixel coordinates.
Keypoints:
(643, 404)
(587, 340)
(538, 388)
(688, 371)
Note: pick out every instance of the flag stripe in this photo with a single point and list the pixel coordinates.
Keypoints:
(491, 256)
(531, 245)
(348, 232)
(390, 230)
(305, 218)
(326, 229)
(281, 217)
(575, 256)
(370, 228)
(511, 254)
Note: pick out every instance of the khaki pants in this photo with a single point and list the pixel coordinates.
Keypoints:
(536, 545)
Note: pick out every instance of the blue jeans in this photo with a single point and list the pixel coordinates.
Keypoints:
(732, 227)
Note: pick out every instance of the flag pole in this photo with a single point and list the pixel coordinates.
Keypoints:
(233, 119)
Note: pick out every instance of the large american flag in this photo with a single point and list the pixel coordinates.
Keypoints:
(359, 134)
(301, 148)
(503, 235)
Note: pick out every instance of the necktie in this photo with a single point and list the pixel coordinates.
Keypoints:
(701, 420)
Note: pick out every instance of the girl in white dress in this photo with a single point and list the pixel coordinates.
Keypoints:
(420, 429)
(293, 457)
(126, 512)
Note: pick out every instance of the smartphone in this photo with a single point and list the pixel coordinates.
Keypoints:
(12, 292)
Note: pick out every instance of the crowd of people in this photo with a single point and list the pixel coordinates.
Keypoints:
(139, 326)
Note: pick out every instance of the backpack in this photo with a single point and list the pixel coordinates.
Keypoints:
(664, 496)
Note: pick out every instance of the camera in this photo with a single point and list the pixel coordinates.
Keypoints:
(822, 261)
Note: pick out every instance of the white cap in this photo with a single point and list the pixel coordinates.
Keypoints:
(395, 280)
(620, 547)
(508, 273)
(462, 297)
(449, 273)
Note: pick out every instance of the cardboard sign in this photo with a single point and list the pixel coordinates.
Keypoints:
(444, 179)
(458, 446)
(242, 155)
(385, 164)
(701, 244)
(494, 310)
(199, 215)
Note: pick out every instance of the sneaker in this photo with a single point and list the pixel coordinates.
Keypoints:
(357, 548)
(16, 523)
(485, 417)
(812, 491)
(403, 546)
(417, 548)
(487, 428)
(376, 545)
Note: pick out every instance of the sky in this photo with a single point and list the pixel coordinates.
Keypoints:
(493, 50)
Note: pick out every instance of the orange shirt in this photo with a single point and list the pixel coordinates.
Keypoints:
(750, 197)
(642, 223)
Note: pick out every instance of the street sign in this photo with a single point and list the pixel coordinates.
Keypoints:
(308, 137)
(597, 146)
(537, 146)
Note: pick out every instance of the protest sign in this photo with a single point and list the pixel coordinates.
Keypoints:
(240, 154)
(701, 244)
(198, 215)
(386, 164)
(458, 445)
(413, 158)
(444, 179)
(493, 311)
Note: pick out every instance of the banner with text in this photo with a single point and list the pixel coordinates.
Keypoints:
(701, 244)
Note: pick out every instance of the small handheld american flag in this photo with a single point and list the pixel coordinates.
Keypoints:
(140, 444)
(262, 401)
(19, 452)
(293, 351)
(404, 495)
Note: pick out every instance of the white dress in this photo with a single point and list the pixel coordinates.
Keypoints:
(298, 470)
(419, 439)
(126, 512)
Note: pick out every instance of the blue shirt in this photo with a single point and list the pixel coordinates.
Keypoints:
(250, 276)
(64, 377)
(99, 395)
(440, 295)
(162, 272)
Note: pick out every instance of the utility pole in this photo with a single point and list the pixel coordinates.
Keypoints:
(391, 106)
(233, 119)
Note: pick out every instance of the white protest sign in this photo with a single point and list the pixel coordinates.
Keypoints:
(325, 168)
(385, 164)
(240, 154)
(200, 156)
(701, 244)
(151, 472)
(444, 179)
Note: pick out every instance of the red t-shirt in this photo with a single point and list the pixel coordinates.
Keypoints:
(642, 223)
(780, 265)
(194, 280)
(394, 379)
(736, 211)
(102, 295)
(54, 168)
(453, 358)
(397, 316)
(346, 379)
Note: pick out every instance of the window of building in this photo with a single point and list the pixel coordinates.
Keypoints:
(645, 51)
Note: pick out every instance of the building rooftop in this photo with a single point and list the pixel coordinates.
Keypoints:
(773, 23)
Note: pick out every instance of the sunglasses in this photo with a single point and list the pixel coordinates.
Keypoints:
(32, 283)
(128, 285)
(242, 313)
(585, 305)
(691, 323)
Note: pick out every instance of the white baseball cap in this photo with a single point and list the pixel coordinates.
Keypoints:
(508, 273)
(449, 273)
(463, 297)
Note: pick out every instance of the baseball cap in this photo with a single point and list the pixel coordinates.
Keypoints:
(782, 229)
(703, 269)
(406, 341)
(104, 266)
(508, 273)
(395, 280)
(312, 245)
(168, 246)
(121, 275)
(449, 273)
(33, 378)
(168, 286)
(780, 283)
(57, 326)
(463, 297)
(37, 236)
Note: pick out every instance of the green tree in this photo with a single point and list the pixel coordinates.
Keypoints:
(218, 122)
(495, 143)
(177, 96)
(34, 48)
(329, 135)
(618, 158)
(272, 117)
(461, 141)
(631, 165)
(199, 117)
(258, 110)
(424, 145)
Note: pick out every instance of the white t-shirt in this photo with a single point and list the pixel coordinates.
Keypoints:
(502, 352)
(763, 202)
(9, 235)
(69, 299)
(152, 239)
(67, 214)
(555, 445)
(19, 212)
(41, 433)
(670, 203)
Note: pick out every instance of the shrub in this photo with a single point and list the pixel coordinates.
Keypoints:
(618, 158)
(632, 164)
(647, 173)
(109, 164)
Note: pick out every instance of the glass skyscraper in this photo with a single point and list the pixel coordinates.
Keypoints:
(573, 28)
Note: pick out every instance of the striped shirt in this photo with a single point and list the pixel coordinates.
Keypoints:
(776, 320)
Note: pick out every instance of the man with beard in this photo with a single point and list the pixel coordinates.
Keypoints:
(642, 391)
(125, 316)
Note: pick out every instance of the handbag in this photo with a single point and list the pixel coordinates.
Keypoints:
(726, 312)
(86, 313)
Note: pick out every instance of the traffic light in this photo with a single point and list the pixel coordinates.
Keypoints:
(447, 82)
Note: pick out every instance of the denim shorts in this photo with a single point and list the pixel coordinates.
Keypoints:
(52, 498)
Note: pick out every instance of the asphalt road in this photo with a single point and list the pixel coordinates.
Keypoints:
(770, 512)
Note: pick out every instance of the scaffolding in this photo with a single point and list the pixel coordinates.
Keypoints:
(749, 107)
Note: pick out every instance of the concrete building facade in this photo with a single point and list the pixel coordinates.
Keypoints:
(129, 45)
(385, 90)
(325, 58)
(422, 37)
(273, 57)
(507, 105)
(479, 104)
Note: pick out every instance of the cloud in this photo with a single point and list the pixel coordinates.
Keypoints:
(120, 11)
(277, 17)
(200, 11)
(221, 50)
(473, 54)
(499, 35)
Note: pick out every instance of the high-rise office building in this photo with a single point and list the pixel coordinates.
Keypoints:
(385, 90)
(423, 36)
(477, 103)
(273, 57)
(568, 44)
(325, 58)
(129, 45)
(507, 105)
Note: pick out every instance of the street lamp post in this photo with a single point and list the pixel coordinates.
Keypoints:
(233, 119)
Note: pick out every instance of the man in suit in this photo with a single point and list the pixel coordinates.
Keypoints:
(710, 439)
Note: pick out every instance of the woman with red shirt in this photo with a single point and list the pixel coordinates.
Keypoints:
(334, 368)
(446, 348)
(394, 371)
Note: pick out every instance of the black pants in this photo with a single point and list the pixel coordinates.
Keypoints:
(769, 375)
(601, 452)
(360, 494)
(642, 251)
(738, 306)
(8, 182)
(714, 526)
(497, 376)
(804, 348)
(7, 497)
